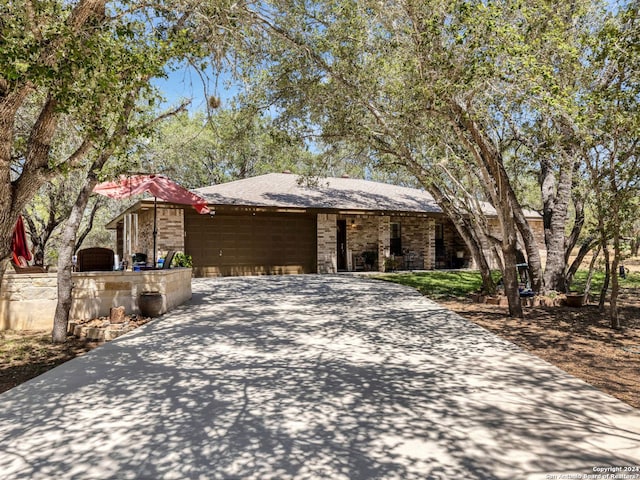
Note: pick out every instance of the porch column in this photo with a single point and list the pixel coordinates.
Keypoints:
(429, 253)
(326, 243)
(384, 241)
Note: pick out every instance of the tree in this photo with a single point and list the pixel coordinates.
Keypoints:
(389, 75)
(229, 144)
(76, 61)
(51, 207)
(613, 162)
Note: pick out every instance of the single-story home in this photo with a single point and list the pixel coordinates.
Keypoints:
(278, 224)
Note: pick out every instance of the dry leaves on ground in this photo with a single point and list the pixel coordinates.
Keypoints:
(577, 340)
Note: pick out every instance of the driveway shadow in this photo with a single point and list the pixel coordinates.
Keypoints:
(310, 377)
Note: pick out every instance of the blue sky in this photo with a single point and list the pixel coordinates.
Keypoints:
(185, 82)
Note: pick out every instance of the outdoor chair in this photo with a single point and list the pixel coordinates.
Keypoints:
(24, 267)
(95, 259)
(168, 259)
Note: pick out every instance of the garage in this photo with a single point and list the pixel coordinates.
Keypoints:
(251, 243)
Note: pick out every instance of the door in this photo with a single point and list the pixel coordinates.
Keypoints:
(251, 245)
(341, 244)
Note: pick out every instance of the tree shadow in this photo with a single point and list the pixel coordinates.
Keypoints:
(310, 377)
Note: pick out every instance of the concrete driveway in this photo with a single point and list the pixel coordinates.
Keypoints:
(305, 377)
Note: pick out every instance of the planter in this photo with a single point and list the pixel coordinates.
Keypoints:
(150, 304)
(574, 300)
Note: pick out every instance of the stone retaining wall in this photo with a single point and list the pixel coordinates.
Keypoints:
(28, 301)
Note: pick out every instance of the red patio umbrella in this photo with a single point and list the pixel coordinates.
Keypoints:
(157, 185)
(19, 245)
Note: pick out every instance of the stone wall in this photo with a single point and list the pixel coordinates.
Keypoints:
(416, 238)
(430, 244)
(537, 226)
(170, 227)
(28, 302)
(367, 233)
(362, 235)
(384, 241)
(170, 230)
(327, 238)
(454, 246)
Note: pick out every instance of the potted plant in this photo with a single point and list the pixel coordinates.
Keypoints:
(183, 260)
(574, 299)
(150, 303)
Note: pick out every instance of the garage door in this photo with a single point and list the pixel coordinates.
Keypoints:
(251, 244)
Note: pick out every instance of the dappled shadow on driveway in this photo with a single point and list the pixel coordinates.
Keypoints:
(310, 377)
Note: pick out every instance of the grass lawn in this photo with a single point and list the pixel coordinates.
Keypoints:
(458, 284)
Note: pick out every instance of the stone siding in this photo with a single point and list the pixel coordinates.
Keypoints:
(384, 241)
(362, 236)
(416, 234)
(327, 239)
(170, 227)
(28, 302)
(537, 226)
(366, 233)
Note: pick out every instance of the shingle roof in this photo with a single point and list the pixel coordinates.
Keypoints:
(286, 191)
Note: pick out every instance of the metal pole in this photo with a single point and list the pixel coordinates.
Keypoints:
(155, 229)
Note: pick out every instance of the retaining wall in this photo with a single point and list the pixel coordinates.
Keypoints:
(28, 301)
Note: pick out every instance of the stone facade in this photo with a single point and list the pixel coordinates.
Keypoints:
(170, 228)
(537, 226)
(327, 243)
(416, 242)
(370, 236)
(450, 250)
(426, 242)
(384, 240)
(28, 302)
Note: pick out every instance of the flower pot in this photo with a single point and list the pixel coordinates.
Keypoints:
(150, 304)
(574, 300)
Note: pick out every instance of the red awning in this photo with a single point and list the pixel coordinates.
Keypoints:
(157, 185)
(19, 245)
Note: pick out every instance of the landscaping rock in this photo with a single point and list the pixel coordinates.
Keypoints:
(117, 315)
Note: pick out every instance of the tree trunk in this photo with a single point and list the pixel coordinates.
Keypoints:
(592, 265)
(615, 285)
(555, 197)
(531, 246)
(66, 251)
(635, 246)
(607, 276)
(578, 224)
(585, 248)
(468, 234)
(510, 277)
(83, 235)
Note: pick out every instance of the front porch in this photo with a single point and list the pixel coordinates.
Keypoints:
(357, 242)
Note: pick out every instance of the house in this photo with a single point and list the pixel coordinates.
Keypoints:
(276, 224)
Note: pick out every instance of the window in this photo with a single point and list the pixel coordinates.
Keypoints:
(396, 240)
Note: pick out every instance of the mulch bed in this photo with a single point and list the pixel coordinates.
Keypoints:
(580, 341)
(27, 354)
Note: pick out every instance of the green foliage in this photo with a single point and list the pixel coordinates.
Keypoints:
(182, 260)
(435, 284)
(232, 143)
(632, 280)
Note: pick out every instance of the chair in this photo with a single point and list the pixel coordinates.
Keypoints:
(95, 259)
(358, 263)
(21, 266)
(168, 259)
(30, 268)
